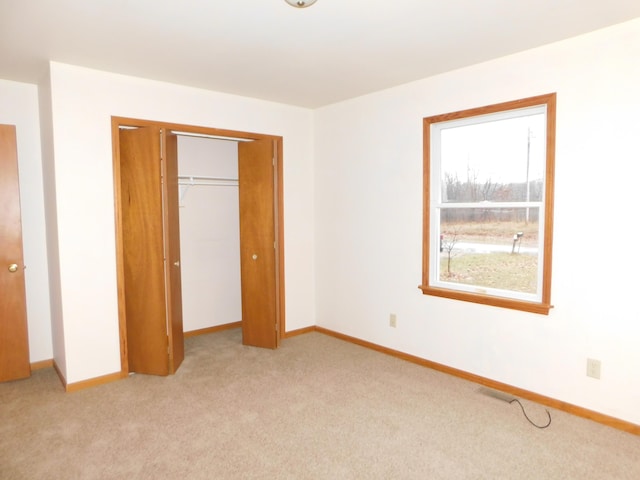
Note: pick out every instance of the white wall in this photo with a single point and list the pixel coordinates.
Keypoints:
(19, 107)
(83, 102)
(209, 235)
(368, 183)
(49, 190)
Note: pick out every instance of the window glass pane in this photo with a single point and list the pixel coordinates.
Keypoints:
(493, 161)
(490, 248)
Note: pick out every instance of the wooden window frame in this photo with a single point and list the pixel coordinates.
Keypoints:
(430, 251)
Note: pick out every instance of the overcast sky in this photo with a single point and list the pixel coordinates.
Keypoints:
(495, 150)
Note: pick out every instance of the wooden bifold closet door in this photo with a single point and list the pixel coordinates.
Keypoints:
(151, 250)
(257, 179)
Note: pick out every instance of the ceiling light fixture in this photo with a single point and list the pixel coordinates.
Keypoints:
(300, 3)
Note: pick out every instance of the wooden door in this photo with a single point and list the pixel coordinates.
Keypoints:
(171, 200)
(257, 181)
(154, 342)
(14, 340)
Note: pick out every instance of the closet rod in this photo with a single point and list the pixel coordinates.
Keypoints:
(193, 178)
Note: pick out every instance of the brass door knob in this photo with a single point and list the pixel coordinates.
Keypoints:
(13, 267)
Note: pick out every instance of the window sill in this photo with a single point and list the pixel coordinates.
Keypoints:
(532, 307)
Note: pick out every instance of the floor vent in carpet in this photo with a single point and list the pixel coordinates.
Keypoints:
(505, 397)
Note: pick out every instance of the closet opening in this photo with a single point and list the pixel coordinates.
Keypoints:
(199, 230)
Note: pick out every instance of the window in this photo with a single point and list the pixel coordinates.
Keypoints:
(488, 204)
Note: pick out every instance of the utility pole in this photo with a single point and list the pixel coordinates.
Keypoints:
(528, 188)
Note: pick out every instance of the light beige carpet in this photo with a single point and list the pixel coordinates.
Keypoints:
(317, 408)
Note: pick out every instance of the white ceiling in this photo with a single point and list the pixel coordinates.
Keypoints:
(331, 51)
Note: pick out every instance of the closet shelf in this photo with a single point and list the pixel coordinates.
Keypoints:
(185, 182)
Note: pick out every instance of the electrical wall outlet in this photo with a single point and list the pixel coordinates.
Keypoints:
(593, 368)
(392, 320)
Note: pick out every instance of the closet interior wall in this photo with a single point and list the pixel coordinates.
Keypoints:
(209, 233)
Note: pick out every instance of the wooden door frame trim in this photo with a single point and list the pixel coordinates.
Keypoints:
(116, 123)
